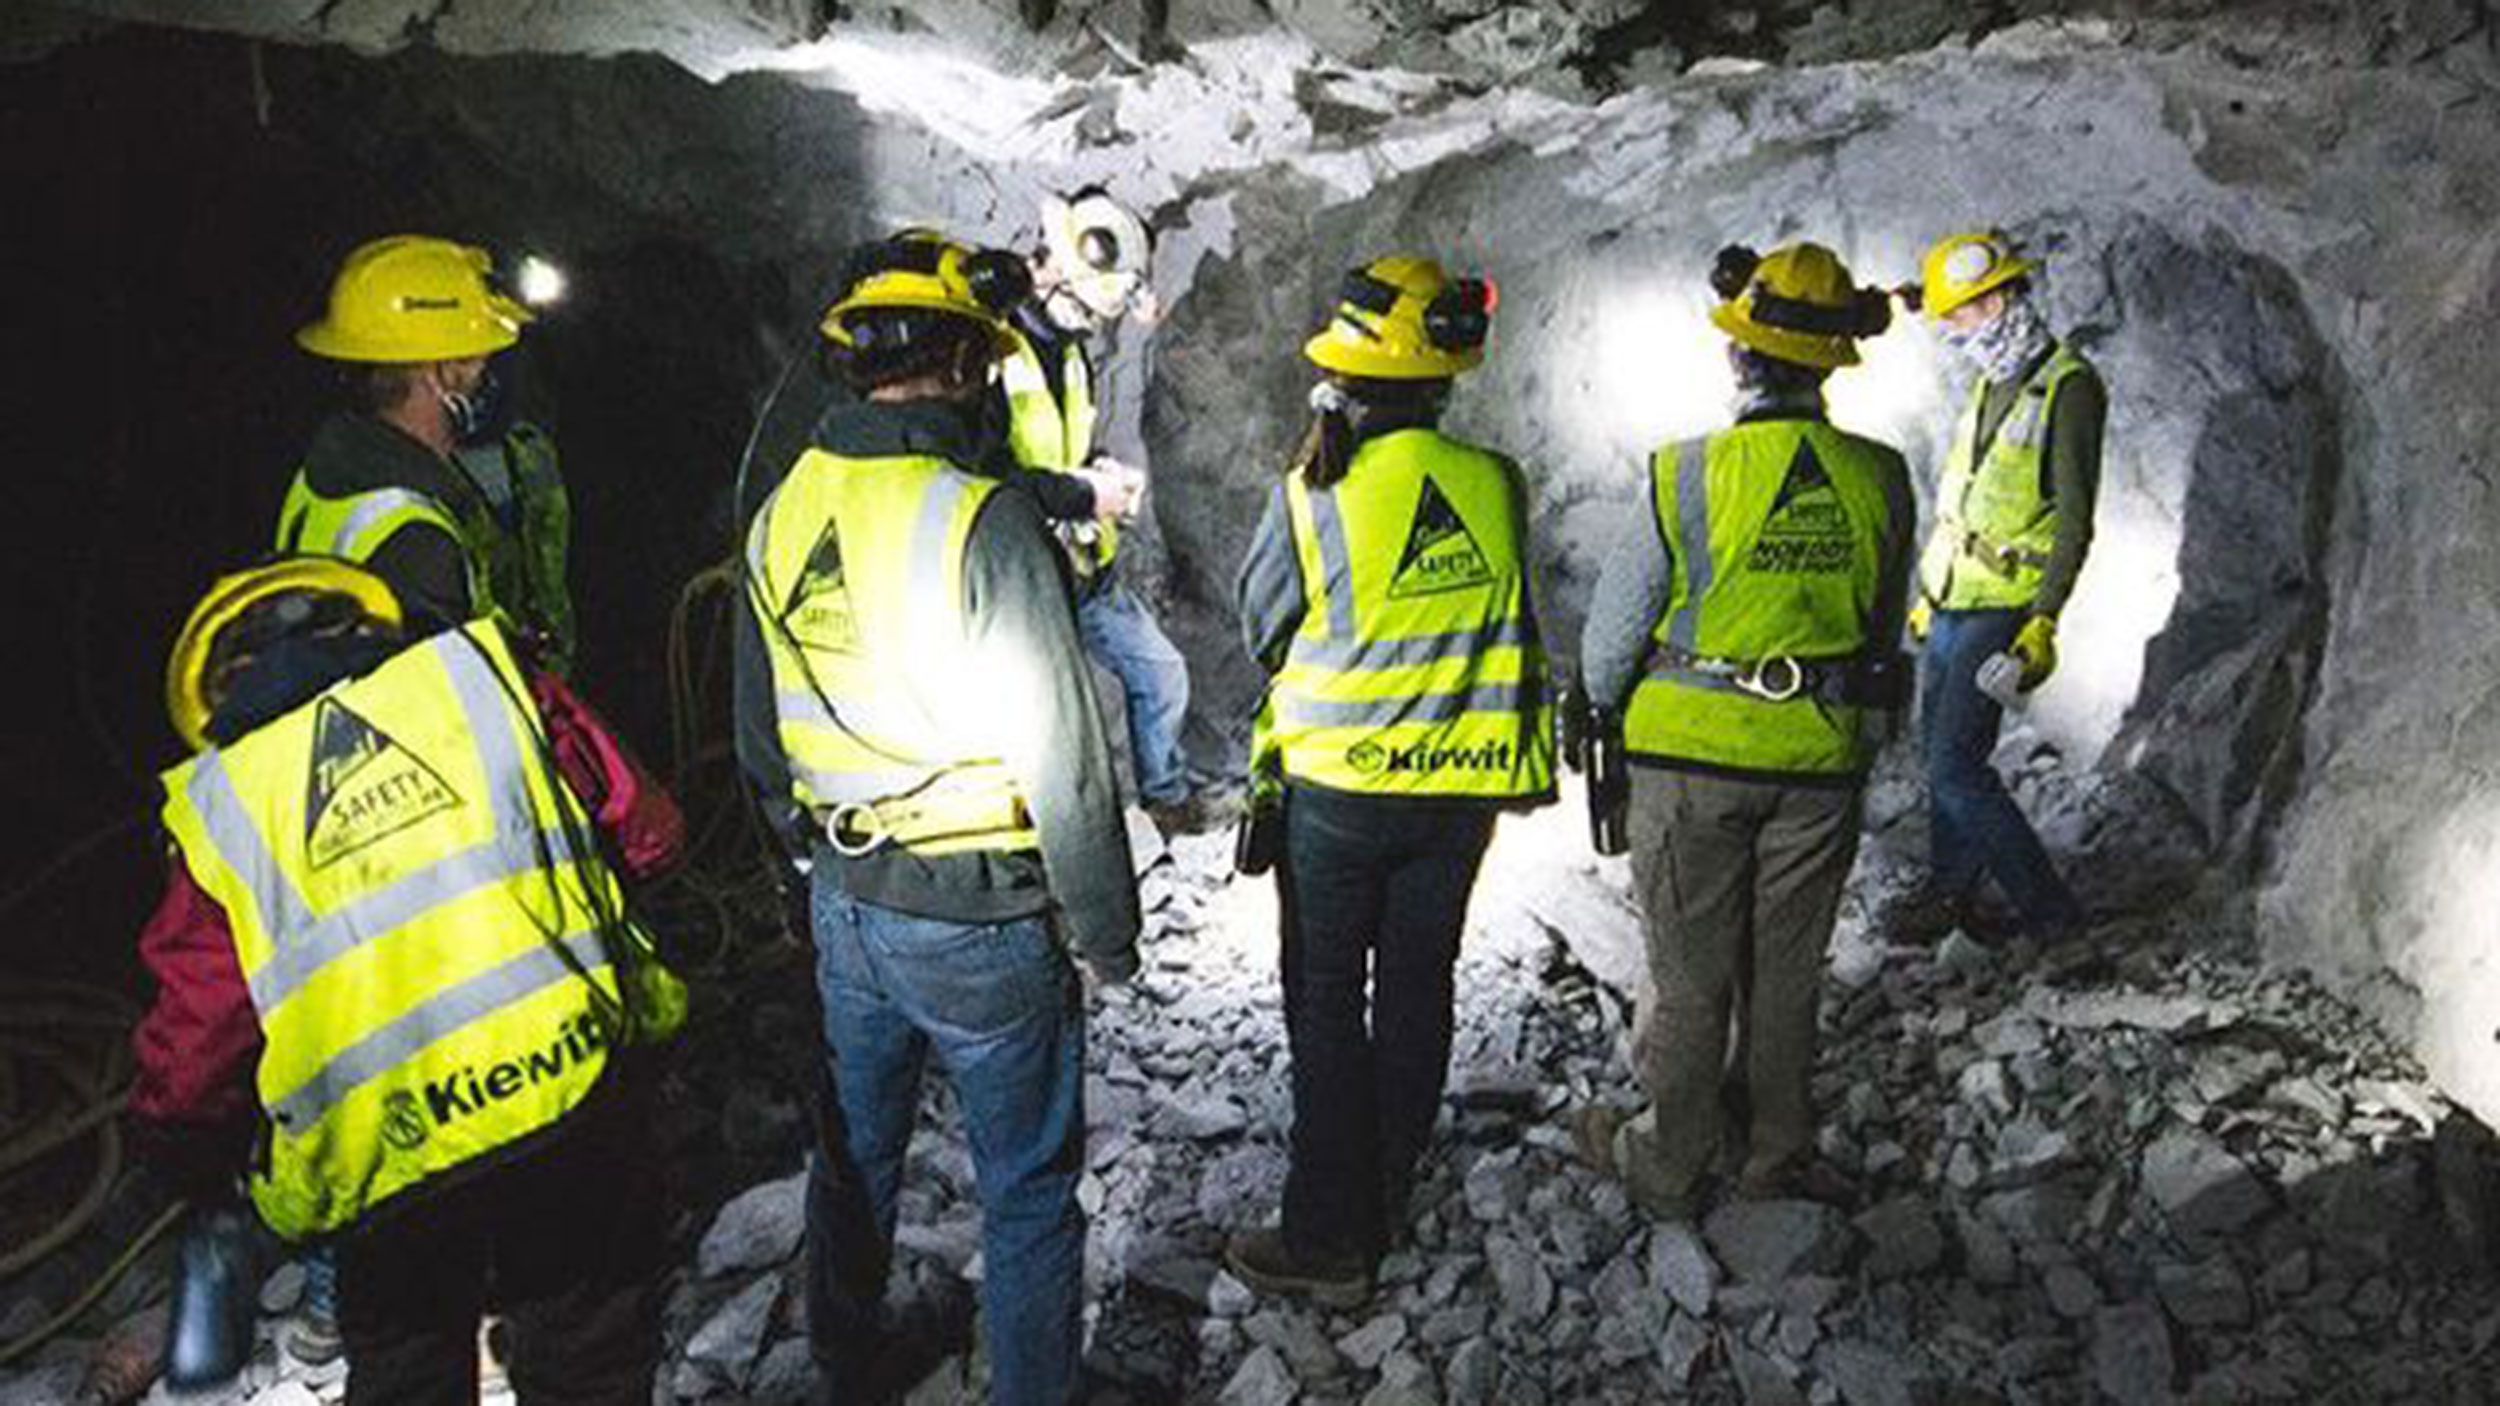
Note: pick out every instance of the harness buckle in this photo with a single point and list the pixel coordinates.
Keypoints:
(855, 830)
(1774, 680)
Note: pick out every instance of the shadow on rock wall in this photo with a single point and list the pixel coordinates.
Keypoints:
(2216, 719)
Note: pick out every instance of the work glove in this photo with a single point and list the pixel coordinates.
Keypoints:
(1922, 619)
(2036, 646)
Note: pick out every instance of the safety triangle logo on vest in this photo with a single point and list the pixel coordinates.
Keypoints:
(364, 787)
(818, 612)
(1441, 553)
(1808, 530)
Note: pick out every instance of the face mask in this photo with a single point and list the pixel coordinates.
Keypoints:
(2005, 345)
(474, 412)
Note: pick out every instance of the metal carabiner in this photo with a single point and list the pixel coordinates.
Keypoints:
(1758, 680)
(854, 830)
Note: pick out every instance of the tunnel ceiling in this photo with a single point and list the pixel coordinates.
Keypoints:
(1573, 48)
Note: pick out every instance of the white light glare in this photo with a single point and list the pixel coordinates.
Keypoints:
(539, 282)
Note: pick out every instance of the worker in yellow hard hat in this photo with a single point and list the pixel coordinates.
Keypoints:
(423, 475)
(945, 775)
(399, 995)
(2013, 524)
(1091, 277)
(1387, 595)
(1747, 632)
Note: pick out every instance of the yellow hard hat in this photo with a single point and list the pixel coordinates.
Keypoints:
(921, 270)
(1796, 303)
(414, 298)
(1965, 266)
(1402, 319)
(187, 670)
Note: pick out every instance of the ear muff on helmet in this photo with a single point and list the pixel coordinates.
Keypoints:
(1732, 270)
(1461, 316)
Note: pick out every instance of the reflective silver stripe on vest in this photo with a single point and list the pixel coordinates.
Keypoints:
(431, 1019)
(1348, 654)
(1335, 562)
(928, 542)
(1692, 539)
(304, 943)
(368, 510)
(1388, 712)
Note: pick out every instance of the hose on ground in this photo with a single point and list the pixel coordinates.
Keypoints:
(70, 1042)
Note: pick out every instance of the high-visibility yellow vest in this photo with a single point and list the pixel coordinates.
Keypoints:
(1056, 432)
(1995, 522)
(884, 707)
(1417, 669)
(429, 935)
(353, 528)
(1777, 531)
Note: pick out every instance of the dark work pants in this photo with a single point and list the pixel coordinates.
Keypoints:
(1740, 881)
(565, 1242)
(1974, 827)
(1374, 896)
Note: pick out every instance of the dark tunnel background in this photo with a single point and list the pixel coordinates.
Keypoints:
(158, 402)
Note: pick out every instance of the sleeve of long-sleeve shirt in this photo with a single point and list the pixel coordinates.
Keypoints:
(2076, 425)
(429, 573)
(196, 1049)
(1040, 692)
(629, 804)
(1268, 595)
(1632, 593)
(1063, 497)
(755, 729)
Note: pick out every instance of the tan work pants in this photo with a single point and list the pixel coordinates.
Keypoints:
(1740, 882)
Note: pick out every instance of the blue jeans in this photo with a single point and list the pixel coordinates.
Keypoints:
(999, 1005)
(1372, 899)
(1974, 827)
(1121, 634)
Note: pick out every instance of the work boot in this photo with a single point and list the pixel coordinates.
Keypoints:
(1200, 812)
(1603, 1138)
(1260, 1259)
(1807, 1178)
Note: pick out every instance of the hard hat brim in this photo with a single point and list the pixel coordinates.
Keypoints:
(1940, 297)
(1332, 349)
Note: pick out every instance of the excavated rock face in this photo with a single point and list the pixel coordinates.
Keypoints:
(2270, 224)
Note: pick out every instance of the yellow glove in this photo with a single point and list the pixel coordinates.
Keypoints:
(2036, 645)
(1922, 617)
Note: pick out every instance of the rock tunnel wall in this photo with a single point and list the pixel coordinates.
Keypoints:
(2284, 260)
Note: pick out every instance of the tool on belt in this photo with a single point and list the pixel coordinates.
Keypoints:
(1592, 745)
